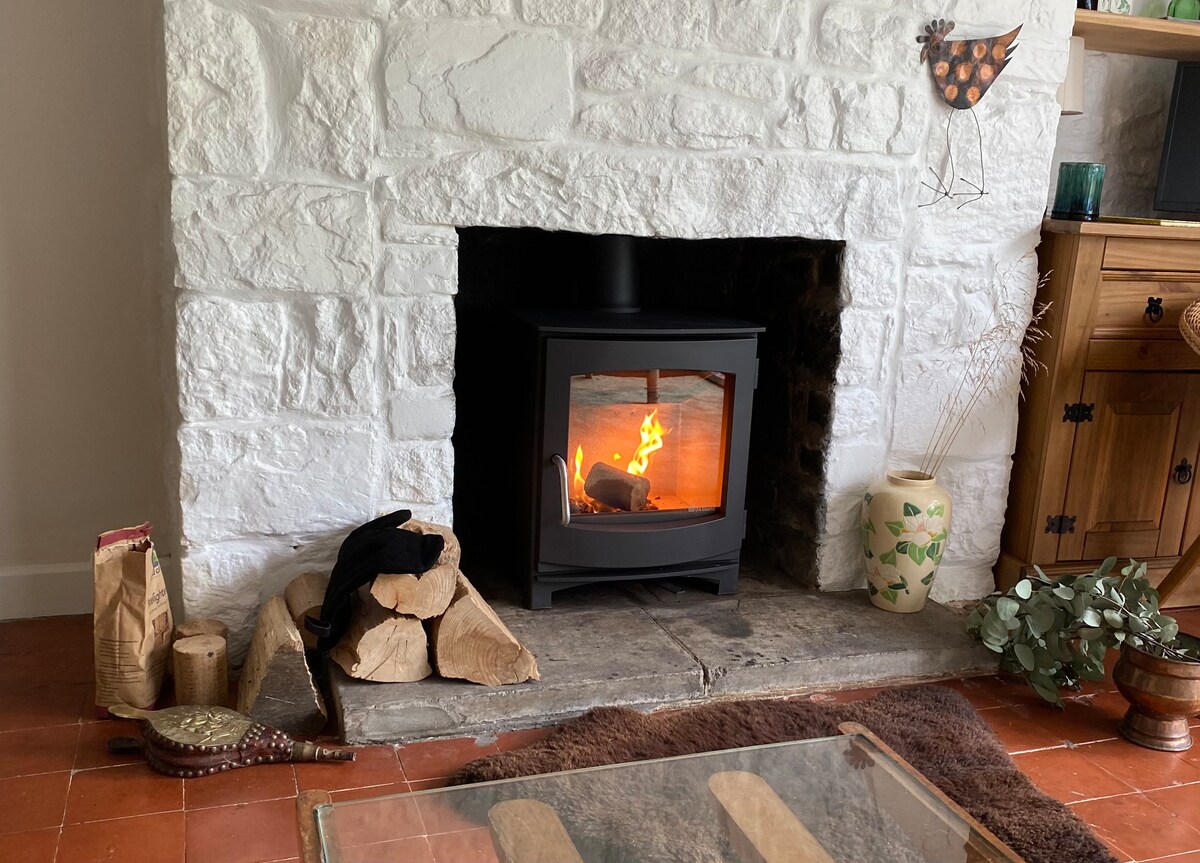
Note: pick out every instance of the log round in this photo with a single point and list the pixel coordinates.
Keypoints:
(201, 670)
(427, 594)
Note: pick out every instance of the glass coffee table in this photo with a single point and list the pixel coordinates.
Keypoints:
(847, 799)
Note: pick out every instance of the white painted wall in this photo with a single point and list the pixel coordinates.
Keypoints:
(82, 261)
(323, 151)
(1126, 101)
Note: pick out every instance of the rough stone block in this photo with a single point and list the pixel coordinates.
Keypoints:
(421, 235)
(274, 479)
(932, 317)
(870, 117)
(419, 337)
(228, 356)
(330, 369)
(858, 415)
(872, 274)
(216, 91)
(714, 125)
(662, 23)
(420, 471)
(980, 494)
(851, 468)
(411, 270)
(866, 340)
(417, 63)
(758, 81)
(330, 123)
(747, 26)
(284, 237)
(585, 14)
(645, 120)
(450, 8)
(958, 583)
(426, 412)
(625, 69)
(863, 38)
(519, 89)
(813, 118)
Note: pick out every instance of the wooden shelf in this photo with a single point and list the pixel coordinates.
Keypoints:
(1146, 37)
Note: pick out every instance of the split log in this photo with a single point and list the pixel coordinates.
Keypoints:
(383, 646)
(277, 688)
(617, 488)
(304, 595)
(427, 594)
(201, 670)
(470, 642)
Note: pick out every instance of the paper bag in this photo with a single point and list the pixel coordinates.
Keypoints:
(132, 619)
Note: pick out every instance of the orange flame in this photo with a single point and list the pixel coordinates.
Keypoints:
(578, 473)
(652, 441)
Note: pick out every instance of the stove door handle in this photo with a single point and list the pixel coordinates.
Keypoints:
(563, 488)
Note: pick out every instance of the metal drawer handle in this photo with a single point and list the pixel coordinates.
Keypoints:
(1184, 472)
(1154, 309)
(561, 464)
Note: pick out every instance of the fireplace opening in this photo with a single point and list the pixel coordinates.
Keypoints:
(647, 464)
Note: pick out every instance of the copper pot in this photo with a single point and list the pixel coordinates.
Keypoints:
(1163, 695)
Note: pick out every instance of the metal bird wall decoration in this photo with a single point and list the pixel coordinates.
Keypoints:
(963, 71)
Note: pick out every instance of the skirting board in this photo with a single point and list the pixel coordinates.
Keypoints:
(45, 589)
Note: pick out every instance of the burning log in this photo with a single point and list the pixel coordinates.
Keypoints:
(618, 489)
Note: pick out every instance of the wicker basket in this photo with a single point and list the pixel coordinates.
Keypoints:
(1189, 325)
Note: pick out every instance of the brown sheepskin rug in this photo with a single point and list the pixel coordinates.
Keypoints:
(935, 729)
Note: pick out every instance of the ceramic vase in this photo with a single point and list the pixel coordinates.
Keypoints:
(905, 522)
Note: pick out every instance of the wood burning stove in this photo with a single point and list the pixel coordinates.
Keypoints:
(641, 437)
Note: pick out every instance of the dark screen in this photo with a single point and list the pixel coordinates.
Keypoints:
(1179, 176)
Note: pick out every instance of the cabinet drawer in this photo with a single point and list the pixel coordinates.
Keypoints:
(1126, 307)
(1127, 253)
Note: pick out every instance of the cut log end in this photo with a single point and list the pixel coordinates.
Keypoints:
(383, 646)
(470, 642)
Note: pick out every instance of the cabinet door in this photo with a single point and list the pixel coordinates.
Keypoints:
(1122, 487)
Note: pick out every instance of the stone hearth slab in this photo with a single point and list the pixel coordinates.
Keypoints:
(649, 648)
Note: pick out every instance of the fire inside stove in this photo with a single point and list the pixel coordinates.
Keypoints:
(648, 441)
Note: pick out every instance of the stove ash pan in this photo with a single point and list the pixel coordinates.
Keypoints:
(642, 437)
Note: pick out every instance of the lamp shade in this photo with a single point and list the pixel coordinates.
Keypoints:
(1070, 92)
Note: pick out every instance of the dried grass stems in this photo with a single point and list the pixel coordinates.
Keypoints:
(1004, 345)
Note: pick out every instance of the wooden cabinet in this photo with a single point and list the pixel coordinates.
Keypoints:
(1110, 432)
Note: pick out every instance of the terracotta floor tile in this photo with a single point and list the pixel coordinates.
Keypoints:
(47, 668)
(40, 634)
(976, 691)
(1142, 768)
(372, 765)
(40, 750)
(1190, 857)
(145, 839)
(37, 846)
(440, 758)
(121, 792)
(441, 814)
(33, 802)
(371, 792)
(429, 784)
(41, 706)
(377, 820)
(1068, 776)
(1020, 728)
(245, 785)
(1138, 826)
(472, 846)
(1078, 722)
(1183, 800)
(245, 833)
(406, 850)
(510, 740)
(1111, 705)
(1011, 689)
(92, 750)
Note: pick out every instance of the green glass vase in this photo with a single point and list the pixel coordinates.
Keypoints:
(1080, 185)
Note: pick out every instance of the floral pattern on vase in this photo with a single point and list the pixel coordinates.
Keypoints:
(905, 524)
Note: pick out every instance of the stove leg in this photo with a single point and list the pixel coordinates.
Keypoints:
(727, 582)
(538, 595)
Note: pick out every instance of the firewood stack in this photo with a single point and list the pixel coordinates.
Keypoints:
(406, 626)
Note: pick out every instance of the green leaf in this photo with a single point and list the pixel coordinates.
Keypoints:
(890, 595)
(911, 509)
(888, 557)
(1042, 577)
(899, 585)
(902, 547)
(1041, 619)
(927, 580)
(1024, 588)
(1063, 592)
(869, 526)
(1114, 618)
(872, 588)
(1106, 567)
(934, 552)
(1007, 608)
(1044, 686)
(916, 553)
(896, 527)
(1024, 655)
(1091, 617)
(936, 508)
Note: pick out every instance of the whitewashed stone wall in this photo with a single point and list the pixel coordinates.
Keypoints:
(323, 150)
(1126, 102)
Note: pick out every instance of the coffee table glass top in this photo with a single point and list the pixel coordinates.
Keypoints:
(829, 800)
